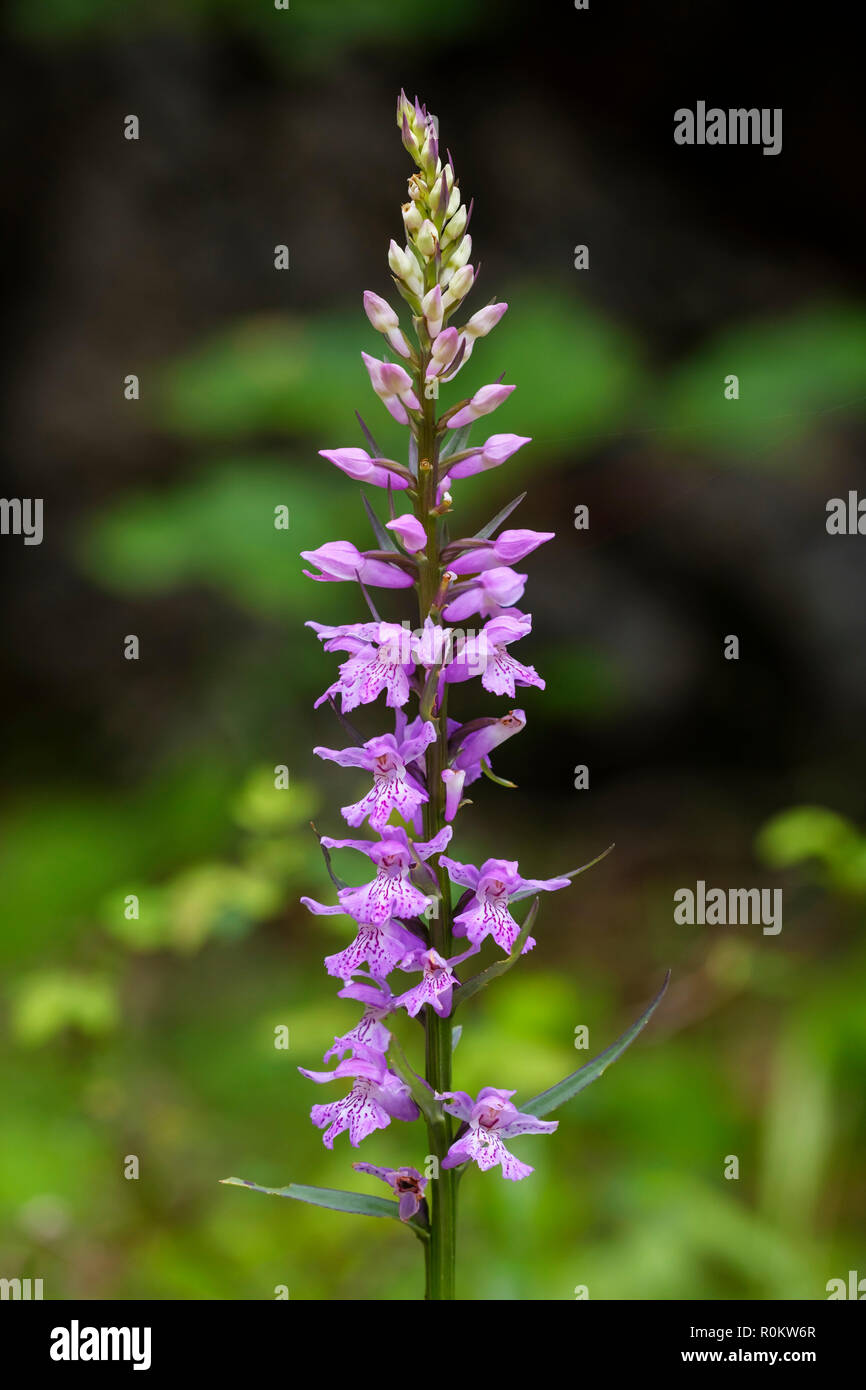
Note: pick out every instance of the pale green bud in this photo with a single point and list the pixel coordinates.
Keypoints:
(427, 239)
(412, 218)
(455, 227)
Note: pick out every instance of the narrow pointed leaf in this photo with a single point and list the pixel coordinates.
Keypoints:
(557, 1095)
(369, 602)
(455, 443)
(499, 967)
(358, 1202)
(335, 878)
(421, 1092)
(346, 722)
(370, 441)
(572, 873)
(487, 531)
(385, 538)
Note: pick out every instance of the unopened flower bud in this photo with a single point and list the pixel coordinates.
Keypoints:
(455, 227)
(427, 239)
(443, 352)
(431, 305)
(410, 531)
(484, 320)
(458, 286)
(405, 267)
(485, 400)
(456, 256)
(429, 155)
(413, 124)
(379, 312)
(412, 218)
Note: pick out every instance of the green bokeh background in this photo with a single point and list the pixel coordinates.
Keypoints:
(155, 1037)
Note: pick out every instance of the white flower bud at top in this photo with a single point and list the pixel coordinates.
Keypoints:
(379, 312)
(431, 306)
(453, 201)
(484, 320)
(405, 267)
(456, 256)
(458, 287)
(427, 239)
(455, 227)
(412, 218)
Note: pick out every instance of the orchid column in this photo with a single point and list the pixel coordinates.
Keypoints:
(420, 766)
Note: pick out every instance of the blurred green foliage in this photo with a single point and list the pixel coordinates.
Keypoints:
(303, 33)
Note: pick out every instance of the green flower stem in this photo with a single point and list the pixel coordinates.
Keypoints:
(440, 1250)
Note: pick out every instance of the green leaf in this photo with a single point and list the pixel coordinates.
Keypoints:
(455, 444)
(385, 538)
(421, 1093)
(499, 967)
(578, 1080)
(335, 878)
(487, 531)
(357, 1202)
(368, 438)
(572, 873)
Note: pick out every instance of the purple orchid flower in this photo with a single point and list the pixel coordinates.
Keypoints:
(394, 787)
(496, 450)
(492, 1118)
(384, 319)
(500, 672)
(369, 1031)
(390, 894)
(475, 747)
(340, 561)
(482, 403)
(378, 662)
(377, 1096)
(493, 886)
(455, 781)
(378, 945)
(410, 531)
(492, 593)
(407, 1183)
(436, 984)
(393, 386)
(508, 548)
(357, 464)
(473, 752)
